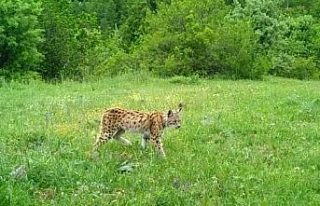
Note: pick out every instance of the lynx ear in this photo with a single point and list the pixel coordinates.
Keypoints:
(170, 113)
(180, 107)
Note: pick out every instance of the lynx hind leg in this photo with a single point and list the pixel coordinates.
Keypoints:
(122, 140)
(101, 138)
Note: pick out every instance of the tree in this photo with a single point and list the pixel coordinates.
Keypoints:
(71, 39)
(20, 37)
(188, 38)
(286, 36)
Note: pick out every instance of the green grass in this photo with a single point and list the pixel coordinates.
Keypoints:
(241, 143)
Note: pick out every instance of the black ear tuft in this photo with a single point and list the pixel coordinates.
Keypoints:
(180, 107)
(169, 113)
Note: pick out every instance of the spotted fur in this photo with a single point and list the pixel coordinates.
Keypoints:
(117, 121)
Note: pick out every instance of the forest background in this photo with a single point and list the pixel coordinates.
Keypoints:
(80, 40)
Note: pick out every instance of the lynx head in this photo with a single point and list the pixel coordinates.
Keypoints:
(173, 118)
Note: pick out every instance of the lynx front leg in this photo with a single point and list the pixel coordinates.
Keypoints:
(158, 145)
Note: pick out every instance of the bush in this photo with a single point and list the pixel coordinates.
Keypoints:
(305, 68)
(196, 39)
(295, 67)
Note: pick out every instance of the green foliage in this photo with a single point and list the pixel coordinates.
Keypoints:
(298, 47)
(264, 17)
(297, 36)
(303, 6)
(132, 28)
(296, 67)
(288, 40)
(305, 68)
(118, 63)
(186, 39)
(20, 37)
(81, 40)
(72, 45)
(125, 17)
(109, 13)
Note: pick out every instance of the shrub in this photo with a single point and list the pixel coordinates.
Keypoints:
(305, 68)
(196, 39)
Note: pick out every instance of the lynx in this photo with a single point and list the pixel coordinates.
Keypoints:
(117, 121)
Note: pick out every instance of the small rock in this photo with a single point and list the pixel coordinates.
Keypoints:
(19, 172)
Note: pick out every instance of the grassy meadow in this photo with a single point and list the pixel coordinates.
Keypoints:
(240, 143)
